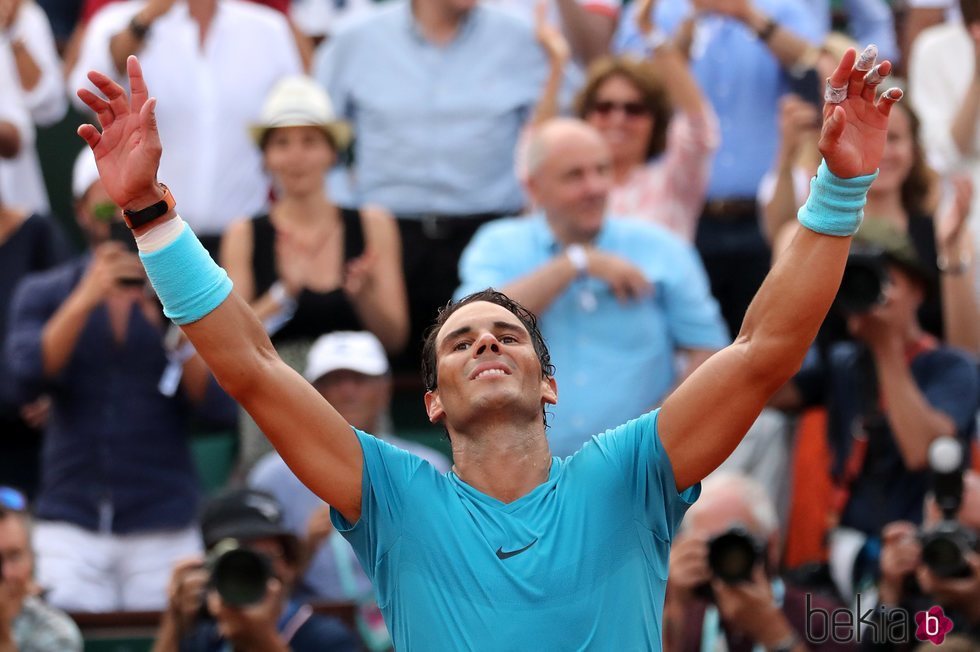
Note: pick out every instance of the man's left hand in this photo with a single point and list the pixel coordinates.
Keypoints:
(961, 593)
(751, 609)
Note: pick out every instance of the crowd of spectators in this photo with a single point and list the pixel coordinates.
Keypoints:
(627, 172)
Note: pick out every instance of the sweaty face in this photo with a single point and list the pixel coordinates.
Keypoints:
(486, 363)
(899, 154)
(573, 183)
(621, 116)
(359, 398)
(298, 158)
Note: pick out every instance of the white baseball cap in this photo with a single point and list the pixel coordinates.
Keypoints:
(358, 351)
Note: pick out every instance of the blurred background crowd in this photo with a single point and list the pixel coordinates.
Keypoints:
(628, 171)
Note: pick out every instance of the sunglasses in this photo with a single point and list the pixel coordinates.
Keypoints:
(630, 109)
(12, 500)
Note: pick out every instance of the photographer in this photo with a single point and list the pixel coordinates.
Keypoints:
(889, 393)
(909, 581)
(243, 602)
(721, 582)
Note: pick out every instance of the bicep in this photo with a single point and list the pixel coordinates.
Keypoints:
(310, 435)
(705, 418)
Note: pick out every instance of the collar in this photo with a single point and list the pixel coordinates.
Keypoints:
(466, 26)
(545, 237)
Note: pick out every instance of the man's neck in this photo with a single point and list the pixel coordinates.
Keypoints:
(502, 461)
(202, 11)
(566, 236)
(438, 24)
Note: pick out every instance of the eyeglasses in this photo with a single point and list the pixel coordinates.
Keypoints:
(12, 500)
(630, 109)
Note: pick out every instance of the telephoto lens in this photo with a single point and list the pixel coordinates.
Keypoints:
(863, 283)
(238, 574)
(733, 554)
(944, 547)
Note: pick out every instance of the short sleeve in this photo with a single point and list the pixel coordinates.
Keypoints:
(635, 448)
(385, 477)
(693, 315)
(950, 386)
(482, 266)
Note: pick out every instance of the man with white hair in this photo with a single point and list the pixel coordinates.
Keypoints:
(722, 580)
(617, 299)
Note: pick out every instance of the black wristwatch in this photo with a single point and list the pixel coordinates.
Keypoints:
(767, 30)
(142, 217)
(138, 29)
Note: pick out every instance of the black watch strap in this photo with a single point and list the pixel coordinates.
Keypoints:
(142, 217)
(138, 29)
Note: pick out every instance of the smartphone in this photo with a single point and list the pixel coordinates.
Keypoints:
(808, 87)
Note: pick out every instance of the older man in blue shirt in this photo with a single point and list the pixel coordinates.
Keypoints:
(741, 53)
(438, 92)
(617, 298)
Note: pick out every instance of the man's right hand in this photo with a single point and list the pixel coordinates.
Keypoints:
(185, 594)
(128, 150)
(688, 569)
(900, 555)
(625, 279)
(110, 263)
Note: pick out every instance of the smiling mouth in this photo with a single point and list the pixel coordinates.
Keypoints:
(486, 373)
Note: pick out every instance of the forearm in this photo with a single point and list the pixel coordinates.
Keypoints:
(168, 635)
(27, 68)
(126, 42)
(961, 317)
(964, 128)
(913, 422)
(547, 106)
(538, 290)
(681, 85)
(9, 140)
(61, 333)
(588, 33)
(782, 43)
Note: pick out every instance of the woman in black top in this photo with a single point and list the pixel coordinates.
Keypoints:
(309, 267)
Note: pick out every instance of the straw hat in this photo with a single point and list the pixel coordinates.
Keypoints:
(300, 102)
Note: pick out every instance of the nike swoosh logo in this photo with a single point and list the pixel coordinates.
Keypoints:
(507, 555)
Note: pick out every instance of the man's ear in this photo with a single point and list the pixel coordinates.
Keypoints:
(549, 390)
(433, 406)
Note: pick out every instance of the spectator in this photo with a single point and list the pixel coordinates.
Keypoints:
(902, 195)
(919, 16)
(906, 582)
(660, 160)
(950, 118)
(740, 52)
(351, 371)
(31, 78)
(617, 299)
(438, 92)
(589, 25)
(118, 487)
(764, 611)
(253, 520)
(307, 266)
(28, 243)
(867, 21)
(27, 624)
(235, 50)
(889, 394)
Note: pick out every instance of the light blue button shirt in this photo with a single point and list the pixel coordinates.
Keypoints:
(742, 80)
(436, 126)
(614, 361)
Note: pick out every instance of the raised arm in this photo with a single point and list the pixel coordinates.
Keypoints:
(309, 434)
(703, 421)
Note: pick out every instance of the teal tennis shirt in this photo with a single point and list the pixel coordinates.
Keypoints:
(579, 563)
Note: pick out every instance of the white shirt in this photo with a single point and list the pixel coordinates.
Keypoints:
(940, 72)
(21, 181)
(206, 99)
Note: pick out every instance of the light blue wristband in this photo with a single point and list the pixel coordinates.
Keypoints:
(835, 206)
(188, 282)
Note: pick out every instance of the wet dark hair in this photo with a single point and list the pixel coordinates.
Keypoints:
(526, 317)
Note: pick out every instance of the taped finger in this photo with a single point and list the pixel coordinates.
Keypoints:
(866, 61)
(888, 99)
(834, 94)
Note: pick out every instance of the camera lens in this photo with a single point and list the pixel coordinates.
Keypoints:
(860, 288)
(240, 576)
(733, 555)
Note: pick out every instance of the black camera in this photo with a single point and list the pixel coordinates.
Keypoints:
(733, 554)
(864, 281)
(238, 574)
(945, 546)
